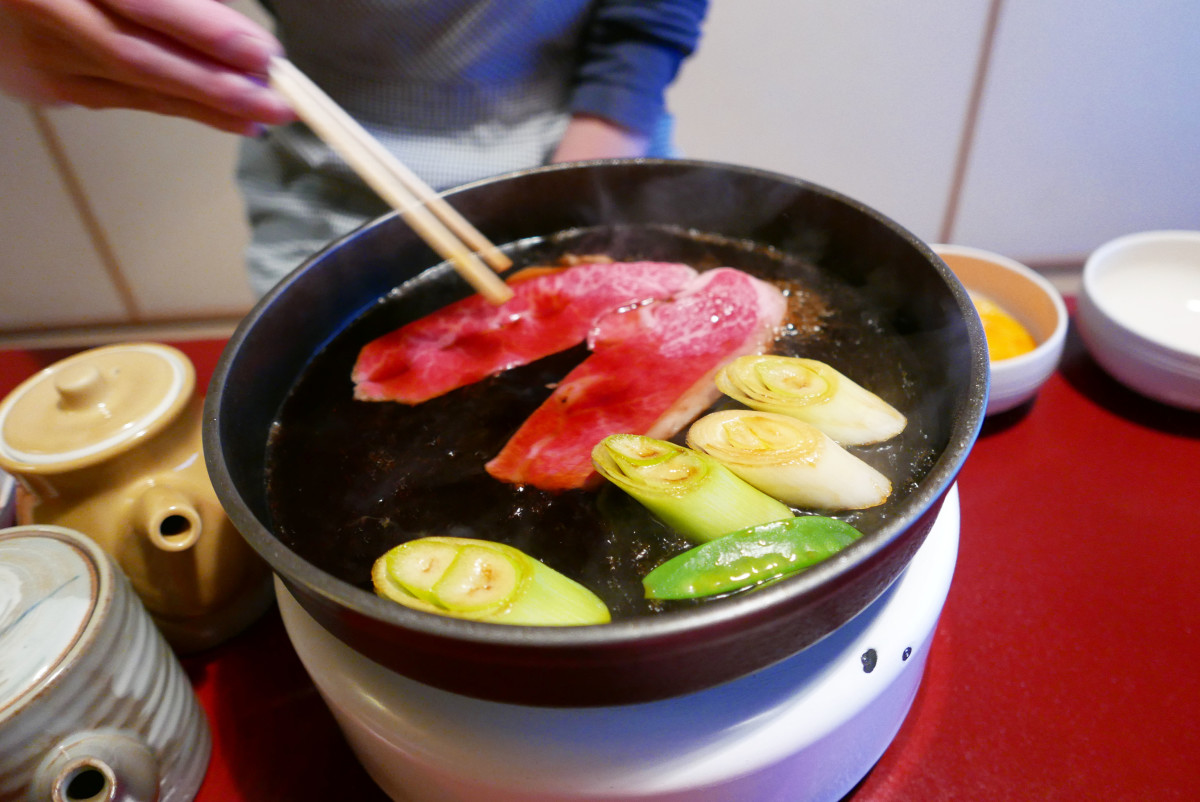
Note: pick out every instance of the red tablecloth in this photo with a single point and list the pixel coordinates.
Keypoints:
(1064, 667)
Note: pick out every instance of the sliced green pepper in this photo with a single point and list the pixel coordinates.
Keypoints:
(749, 557)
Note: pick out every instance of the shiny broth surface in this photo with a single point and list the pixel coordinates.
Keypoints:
(348, 479)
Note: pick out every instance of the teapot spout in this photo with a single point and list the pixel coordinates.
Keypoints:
(108, 764)
(167, 518)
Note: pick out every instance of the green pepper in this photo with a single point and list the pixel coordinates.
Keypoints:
(749, 557)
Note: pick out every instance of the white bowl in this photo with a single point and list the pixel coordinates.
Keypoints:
(1139, 313)
(1032, 300)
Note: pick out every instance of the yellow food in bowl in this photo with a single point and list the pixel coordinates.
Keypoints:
(1006, 337)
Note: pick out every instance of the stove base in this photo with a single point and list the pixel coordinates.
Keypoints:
(808, 728)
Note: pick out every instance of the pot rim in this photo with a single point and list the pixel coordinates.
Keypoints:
(743, 608)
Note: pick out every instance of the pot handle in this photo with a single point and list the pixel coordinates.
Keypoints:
(167, 518)
(109, 764)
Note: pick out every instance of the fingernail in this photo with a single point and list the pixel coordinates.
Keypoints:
(251, 52)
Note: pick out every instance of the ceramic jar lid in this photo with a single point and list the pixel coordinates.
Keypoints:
(90, 406)
(50, 586)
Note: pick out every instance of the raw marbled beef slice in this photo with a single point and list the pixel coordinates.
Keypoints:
(473, 338)
(651, 372)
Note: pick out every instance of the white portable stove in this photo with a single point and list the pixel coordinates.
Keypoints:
(807, 729)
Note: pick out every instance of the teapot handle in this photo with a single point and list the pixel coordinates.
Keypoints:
(108, 764)
(167, 518)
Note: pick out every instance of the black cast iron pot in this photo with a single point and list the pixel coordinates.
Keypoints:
(645, 658)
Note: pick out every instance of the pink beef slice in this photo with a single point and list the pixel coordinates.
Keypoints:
(651, 372)
(473, 338)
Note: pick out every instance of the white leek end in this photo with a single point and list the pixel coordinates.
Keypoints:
(789, 459)
(813, 392)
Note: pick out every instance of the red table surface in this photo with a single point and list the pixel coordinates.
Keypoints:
(1064, 666)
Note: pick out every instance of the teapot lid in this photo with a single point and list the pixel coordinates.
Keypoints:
(89, 406)
(52, 586)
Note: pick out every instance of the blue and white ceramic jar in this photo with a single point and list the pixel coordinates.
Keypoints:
(93, 702)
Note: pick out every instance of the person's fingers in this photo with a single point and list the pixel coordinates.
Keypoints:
(207, 26)
(118, 51)
(97, 93)
(152, 62)
(65, 39)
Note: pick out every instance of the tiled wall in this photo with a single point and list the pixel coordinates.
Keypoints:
(1089, 127)
(1037, 128)
(117, 218)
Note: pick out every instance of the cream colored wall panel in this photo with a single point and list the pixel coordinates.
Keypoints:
(866, 97)
(50, 273)
(1089, 128)
(162, 190)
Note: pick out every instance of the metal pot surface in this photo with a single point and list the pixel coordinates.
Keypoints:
(645, 658)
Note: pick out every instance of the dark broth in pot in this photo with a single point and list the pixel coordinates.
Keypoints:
(347, 480)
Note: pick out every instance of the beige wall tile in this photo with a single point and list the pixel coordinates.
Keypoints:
(162, 190)
(868, 98)
(1089, 128)
(50, 273)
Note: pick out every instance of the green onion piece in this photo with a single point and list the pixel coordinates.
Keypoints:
(750, 557)
(813, 392)
(483, 581)
(690, 492)
(789, 459)
(423, 564)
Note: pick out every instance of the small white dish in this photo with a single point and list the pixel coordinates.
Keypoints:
(1139, 313)
(1027, 296)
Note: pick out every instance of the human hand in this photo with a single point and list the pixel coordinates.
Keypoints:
(589, 137)
(189, 58)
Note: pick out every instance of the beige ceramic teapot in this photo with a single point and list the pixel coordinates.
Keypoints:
(107, 442)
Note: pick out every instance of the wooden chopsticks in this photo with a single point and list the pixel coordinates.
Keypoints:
(434, 220)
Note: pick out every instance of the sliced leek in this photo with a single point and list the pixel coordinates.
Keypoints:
(789, 459)
(813, 392)
(750, 557)
(692, 493)
(483, 581)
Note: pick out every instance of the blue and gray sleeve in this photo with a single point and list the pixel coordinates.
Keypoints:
(632, 51)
